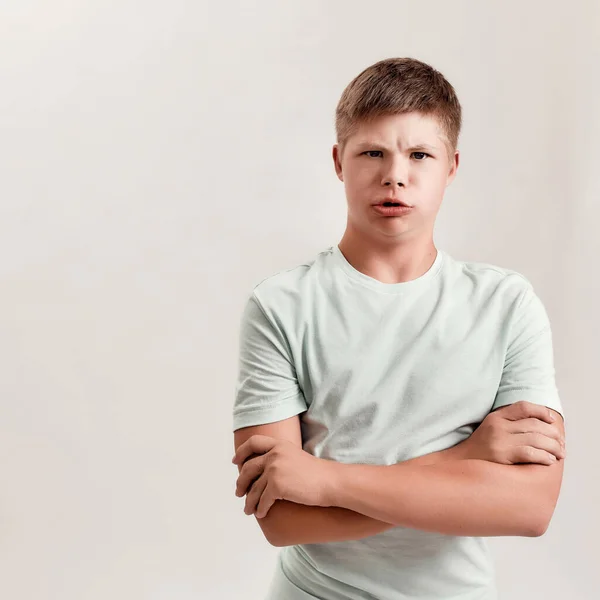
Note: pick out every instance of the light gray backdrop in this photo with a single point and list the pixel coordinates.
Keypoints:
(158, 159)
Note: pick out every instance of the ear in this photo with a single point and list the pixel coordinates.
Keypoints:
(453, 168)
(337, 161)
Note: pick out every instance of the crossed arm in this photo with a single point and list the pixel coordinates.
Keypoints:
(468, 497)
(444, 491)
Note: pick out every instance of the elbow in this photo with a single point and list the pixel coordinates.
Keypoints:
(277, 542)
(539, 525)
(277, 537)
(269, 531)
(274, 537)
(537, 530)
(274, 542)
(273, 525)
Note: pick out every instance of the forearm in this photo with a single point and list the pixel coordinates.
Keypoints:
(288, 523)
(462, 497)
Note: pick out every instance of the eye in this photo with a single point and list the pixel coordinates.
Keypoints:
(420, 160)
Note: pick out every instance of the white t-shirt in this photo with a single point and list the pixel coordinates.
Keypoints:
(385, 372)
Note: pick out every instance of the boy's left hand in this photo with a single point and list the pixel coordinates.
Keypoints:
(283, 471)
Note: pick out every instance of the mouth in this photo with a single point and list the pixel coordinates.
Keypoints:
(397, 210)
(392, 202)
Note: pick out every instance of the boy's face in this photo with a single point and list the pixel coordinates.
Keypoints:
(383, 159)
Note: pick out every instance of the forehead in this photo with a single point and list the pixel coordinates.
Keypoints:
(410, 129)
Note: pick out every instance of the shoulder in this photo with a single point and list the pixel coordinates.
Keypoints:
(501, 291)
(497, 280)
(282, 291)
(293, 280)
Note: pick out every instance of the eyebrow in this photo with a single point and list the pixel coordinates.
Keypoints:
(367, 144)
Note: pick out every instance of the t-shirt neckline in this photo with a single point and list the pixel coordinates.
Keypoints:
(401, 287)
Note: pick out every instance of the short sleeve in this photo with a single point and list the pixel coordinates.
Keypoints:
(267, 389)
(528, 372)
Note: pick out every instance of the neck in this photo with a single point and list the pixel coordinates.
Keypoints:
(394, 262)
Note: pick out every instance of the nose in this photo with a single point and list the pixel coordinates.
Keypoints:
(394, 173)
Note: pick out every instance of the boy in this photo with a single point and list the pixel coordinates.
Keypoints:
(394, 405)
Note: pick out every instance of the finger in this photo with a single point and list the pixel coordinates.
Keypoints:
(246, 449)
(255, 444)
(523, 409)
(250, 470)
(266, 501)
(532, 425)
(248, 458)
(540, 442)
(529, 454)
(254, 495)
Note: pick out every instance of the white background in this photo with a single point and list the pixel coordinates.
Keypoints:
(157, 160)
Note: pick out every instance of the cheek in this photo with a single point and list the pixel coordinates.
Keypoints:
(356, 188)
(433, 181)
(362, 171)
(356, 177)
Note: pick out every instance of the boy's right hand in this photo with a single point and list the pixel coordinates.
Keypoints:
(522, 432)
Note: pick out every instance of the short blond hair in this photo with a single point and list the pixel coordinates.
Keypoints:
(394, 86)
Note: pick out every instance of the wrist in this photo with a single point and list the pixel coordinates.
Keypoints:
(331, 482)
(461, 450)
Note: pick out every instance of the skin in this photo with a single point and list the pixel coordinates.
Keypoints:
(379, 160)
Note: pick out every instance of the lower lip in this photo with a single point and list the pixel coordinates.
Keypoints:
(392, 211)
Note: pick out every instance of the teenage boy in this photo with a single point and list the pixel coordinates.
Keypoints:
(395, 405)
